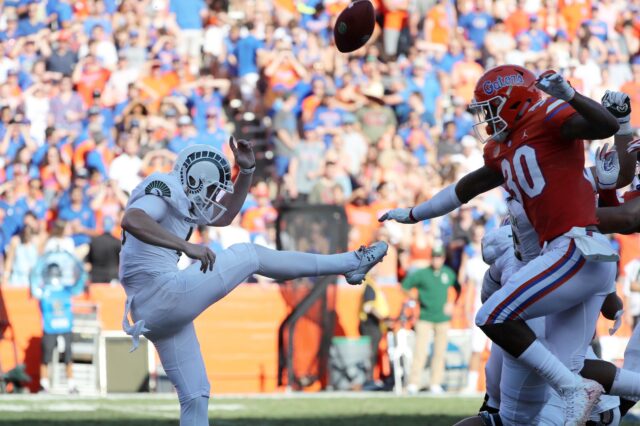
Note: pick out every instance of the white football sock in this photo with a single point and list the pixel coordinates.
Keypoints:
(632, 352)
(44, 383)
(626, 383)
(538, 358)
(286, 265)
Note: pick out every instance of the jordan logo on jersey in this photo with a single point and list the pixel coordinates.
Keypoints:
(524, 134)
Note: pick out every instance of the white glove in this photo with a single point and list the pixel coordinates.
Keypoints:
(607, 167)
(617, 322)
(399, 215)
(619, 105)
(555, 85)
(634, 146)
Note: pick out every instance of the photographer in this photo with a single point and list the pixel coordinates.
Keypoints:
(55, 279)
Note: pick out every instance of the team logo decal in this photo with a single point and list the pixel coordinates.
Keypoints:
(445, 279)
(492, 86)
(159, 188)
(193, 185)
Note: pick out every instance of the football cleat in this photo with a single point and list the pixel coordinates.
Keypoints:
(369, 257)
(579, 400)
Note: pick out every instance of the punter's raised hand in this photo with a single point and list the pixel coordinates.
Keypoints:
(201, 253)
(553, 84)
(619, 105)
(242, 152)
(402, 215)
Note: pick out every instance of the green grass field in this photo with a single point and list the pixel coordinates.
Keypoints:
(280, 410)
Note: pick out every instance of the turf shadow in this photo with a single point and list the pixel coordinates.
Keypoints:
(364, 420)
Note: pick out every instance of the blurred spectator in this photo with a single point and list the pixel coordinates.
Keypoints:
(60, 238)
(81, 219)
(375, 117)
(90, 77)
(187, 135)
(374, 312)
(257, 217)
(56, 277)
(632, 88)
(62, 59)
(67, 108)
(23, 252)
(126, 168)
(432, 285)
(471, 275)
(306, 164)
(285, 134)
(104, 254)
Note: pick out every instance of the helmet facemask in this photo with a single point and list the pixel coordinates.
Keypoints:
(489, 124)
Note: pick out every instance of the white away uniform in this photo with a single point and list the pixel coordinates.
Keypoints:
(164, 301)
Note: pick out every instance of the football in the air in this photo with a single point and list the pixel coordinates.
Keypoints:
(354, 26)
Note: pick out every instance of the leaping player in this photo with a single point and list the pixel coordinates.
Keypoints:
(535, 149)
(164, 301)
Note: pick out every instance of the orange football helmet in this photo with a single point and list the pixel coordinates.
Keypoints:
(501, 97)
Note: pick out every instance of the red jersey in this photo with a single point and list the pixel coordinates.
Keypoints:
(544, 171)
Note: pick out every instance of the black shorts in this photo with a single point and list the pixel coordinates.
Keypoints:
(49, 342)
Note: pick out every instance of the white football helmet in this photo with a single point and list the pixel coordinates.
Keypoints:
(205, 174)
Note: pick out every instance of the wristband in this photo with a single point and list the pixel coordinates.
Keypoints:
(248, 171)
(625, 128)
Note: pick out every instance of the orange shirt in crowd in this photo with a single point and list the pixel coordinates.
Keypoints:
(285, 77)
(161, 87)
(517, 22)
(256, 218)
(440, 30)
(309, 106)
(574, 13)
(92, 81)
(465, 76)
(395, 19)
(633, 90)
(48, 177)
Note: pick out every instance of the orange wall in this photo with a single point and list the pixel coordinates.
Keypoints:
(238, 335)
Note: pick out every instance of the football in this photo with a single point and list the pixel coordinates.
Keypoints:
(354, 26)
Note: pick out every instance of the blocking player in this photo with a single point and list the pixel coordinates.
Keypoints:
(164, 301)
(535, 148)
(516, 395)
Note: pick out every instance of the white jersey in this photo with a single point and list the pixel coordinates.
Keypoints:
(525, 238)
(161, 197)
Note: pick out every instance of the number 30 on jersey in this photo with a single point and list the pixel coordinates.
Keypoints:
(524, 175)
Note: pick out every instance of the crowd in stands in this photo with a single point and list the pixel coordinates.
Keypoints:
(97, 94)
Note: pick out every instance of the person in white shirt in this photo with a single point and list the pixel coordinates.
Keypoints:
(125, 168)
